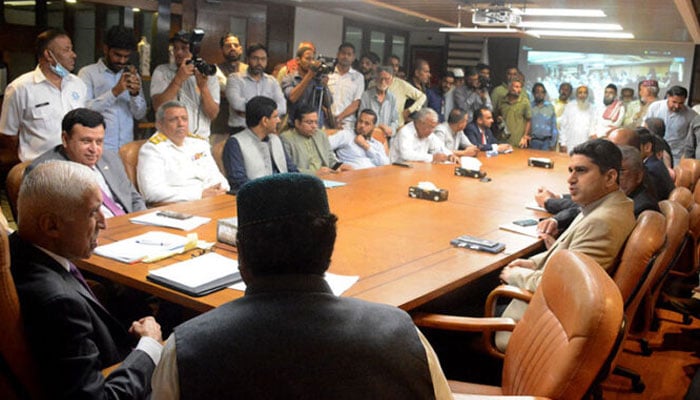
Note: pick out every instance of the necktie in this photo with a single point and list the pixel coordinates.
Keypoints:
(77, 275)
(483, 137)
(111, 205)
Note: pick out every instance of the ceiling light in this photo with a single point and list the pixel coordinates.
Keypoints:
(570, 25)
(560, 12)
(479, 30)
(587, 34)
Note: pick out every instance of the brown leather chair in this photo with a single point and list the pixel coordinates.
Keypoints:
(217, 151)
(676, 233)
(13, 183)
(129, 153)
(683, 196)
(19, 379)
(692, 166)
(576, 308)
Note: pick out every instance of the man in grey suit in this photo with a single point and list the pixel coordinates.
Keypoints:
(72, 335)
(82, 142)
(308, 146)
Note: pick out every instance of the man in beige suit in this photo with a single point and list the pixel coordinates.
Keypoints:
(599, 231)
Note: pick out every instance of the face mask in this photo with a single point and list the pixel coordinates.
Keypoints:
(58, 69)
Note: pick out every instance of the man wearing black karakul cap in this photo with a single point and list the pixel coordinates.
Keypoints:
(290, 336)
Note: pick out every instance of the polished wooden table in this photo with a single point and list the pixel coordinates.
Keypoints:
(398, 246)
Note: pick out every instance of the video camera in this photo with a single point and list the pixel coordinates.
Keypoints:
(324, 66)
(194, 38)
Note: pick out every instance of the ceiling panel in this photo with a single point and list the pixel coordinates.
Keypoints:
(648, 20)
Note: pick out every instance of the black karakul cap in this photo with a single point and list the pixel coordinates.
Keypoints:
(280, 196)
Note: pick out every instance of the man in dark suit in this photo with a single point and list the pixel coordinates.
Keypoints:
(72, 336)
(290, 337)
(83, 135)
(479, 132)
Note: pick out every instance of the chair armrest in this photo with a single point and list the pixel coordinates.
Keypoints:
(464, 324)
(504, 291)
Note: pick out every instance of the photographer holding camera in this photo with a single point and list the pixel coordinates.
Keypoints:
(471, 96)
(114, 87)
(309, 85)
(190, 80)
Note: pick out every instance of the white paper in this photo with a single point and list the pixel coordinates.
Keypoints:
(331, 184)
(523, 230)
(198, 271)
(535, 206)
(185, 224)
(470, 163)
(139, 247)
(338, 283)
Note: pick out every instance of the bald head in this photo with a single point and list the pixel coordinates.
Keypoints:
(625, 137)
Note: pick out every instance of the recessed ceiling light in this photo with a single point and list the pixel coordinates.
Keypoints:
(479, 30)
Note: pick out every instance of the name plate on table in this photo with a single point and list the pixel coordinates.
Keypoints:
(434, 195)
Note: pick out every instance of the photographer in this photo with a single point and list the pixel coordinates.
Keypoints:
(471, 96)
(308, 85)
(186, 82)
(114, 87)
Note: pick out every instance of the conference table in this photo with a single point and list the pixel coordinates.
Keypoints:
(398, 246)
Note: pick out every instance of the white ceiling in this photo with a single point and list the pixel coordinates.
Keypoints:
(648, 20)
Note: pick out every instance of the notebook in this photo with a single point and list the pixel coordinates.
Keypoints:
(198, 276)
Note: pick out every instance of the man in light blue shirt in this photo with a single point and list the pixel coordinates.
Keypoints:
(677, 117)
(243, 86)
(358, 148)
(114, 88)
(544, 120)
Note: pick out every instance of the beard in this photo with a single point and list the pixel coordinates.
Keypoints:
(232, 58)
(582, 104)
(607, 100)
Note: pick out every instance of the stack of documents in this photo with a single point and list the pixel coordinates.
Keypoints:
(150, 244)
(153, 218)
(198, 276)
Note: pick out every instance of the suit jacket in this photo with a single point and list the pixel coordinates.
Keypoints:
(474, 136)
(71, 335)
(294, 145)
(599, 233)
(112, 169)
(659, 178)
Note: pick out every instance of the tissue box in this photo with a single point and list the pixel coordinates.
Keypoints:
(459, 171)
(434, 195)
(540, 162)
(226, 230)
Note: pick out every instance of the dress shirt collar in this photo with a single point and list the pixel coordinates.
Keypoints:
(585, 210)
(64, 262)
(102, 67)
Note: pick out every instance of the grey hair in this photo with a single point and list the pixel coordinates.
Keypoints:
(385, 68)
(160, 114)
(633, 156)
(424, 113)
(54, 185)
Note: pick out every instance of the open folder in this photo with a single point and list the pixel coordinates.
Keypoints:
(199, 276)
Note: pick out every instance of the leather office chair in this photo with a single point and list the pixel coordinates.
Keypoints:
(129, 153)
(18, 373)
(683, 196)
(217, 151)
(692, 167)
(676, 231)
(13, 183)
(689, 259)
(576, 308)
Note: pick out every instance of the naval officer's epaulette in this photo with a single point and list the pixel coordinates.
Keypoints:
(158, 138)
(193, 136)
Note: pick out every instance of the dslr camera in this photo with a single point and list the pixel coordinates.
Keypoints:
(195, 40)
(323, 65)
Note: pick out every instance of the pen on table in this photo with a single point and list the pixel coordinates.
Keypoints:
(150, 242)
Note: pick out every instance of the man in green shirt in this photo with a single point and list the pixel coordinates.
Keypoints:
(514, 113)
